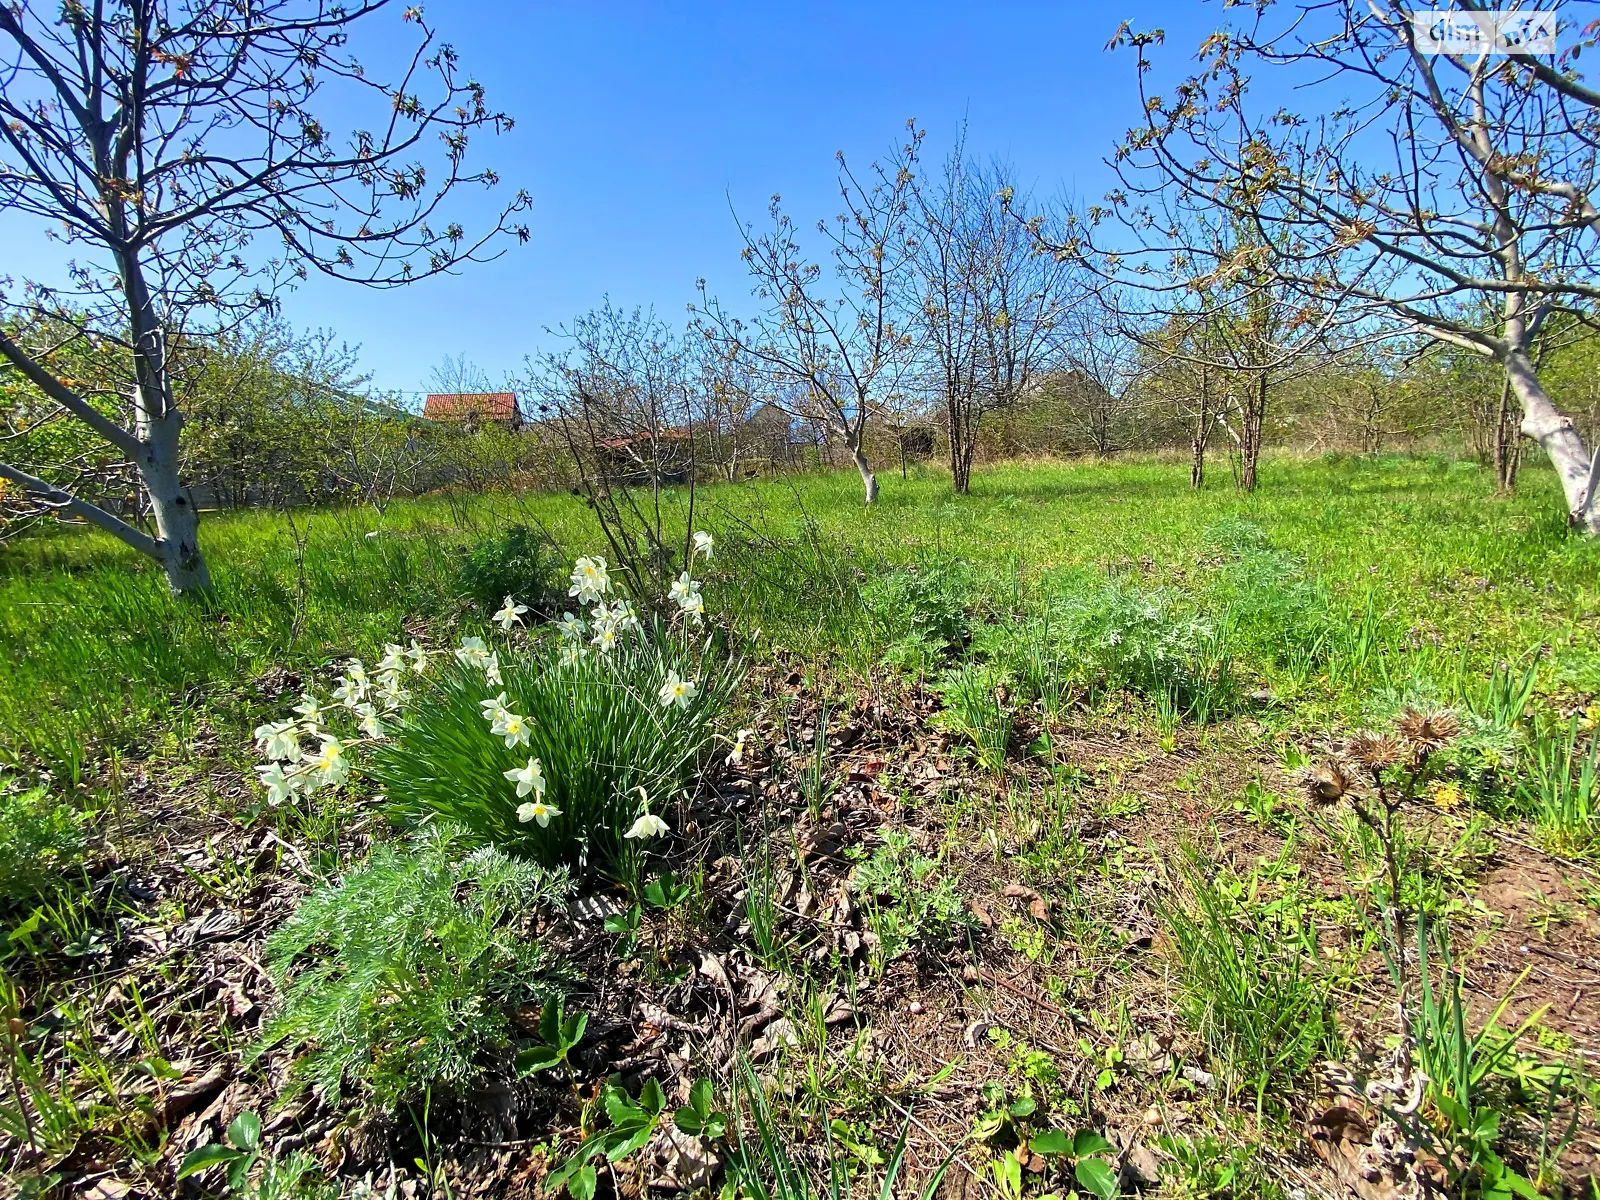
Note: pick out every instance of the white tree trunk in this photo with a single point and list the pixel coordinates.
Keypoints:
(869, 481)
(1554, 431)
(177, 522)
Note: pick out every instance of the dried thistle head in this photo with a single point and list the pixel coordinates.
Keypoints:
(1426, 732)
(1326, 783)
(1374, 750)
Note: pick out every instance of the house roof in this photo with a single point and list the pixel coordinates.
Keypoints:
(458, 406)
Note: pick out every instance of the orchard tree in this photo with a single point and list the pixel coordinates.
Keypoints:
(1452, 195)
(833, 347)
(181, 153)
(990, 301)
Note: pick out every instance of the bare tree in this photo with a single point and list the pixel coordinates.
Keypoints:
(1484, 192)
(618, 393)
(161, 138)
(833, 350)
(458, 376)
(1100, 371)
(990, 298)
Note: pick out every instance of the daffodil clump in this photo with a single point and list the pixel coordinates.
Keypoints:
(569, 749)
(310, 753)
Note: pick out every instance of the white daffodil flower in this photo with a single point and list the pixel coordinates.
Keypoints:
(308, 708)
(394, 659)
(330, 763)
(682, 588)
(677, 691)
(702, 543)
(473, 652)
(572, 629)
(528, 779)
(371, 726)
(694, 607)
(624, 616)
(279, 786)
(418, 656)
(736, 755)
(605, 635)
(513, 728)
(390, 691)
(491, 670)
(493, 707)
(510, 614)
(537, 810)
(589, 580)
(647, 826)
(352, 690)
(571, 655)
(279, 741)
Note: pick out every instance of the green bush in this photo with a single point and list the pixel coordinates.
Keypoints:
(597, 726)
(521, 563)
(41, 839)
(922, 613)
(403, 977)
(1098, 633)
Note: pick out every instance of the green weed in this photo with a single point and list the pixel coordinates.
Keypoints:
(1250, 982)
(399, 979)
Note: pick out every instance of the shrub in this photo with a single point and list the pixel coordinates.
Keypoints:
(403, 976)
(921, 612)
(41, 839)
(596, 725)
(1102, 633)
(519, 562)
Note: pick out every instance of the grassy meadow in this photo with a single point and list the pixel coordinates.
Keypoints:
(1451, 578)
(1084, 819)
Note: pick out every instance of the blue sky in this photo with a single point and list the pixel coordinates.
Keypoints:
(639, 124)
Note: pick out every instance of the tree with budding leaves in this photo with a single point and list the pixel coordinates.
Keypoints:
(1443, 194)
(833, 349)
(166, 142)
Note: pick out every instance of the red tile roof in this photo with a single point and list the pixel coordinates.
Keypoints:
(459, 406)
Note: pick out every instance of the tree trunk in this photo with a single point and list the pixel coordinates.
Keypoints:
(1252, 421)
(869, 481)
(1202, 434)
(177, 523)
(1578, 470)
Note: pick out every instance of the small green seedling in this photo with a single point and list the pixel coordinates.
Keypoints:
(666, 892)
(698, 1118)
(240, 1148)
(559, 1035)
(626, 924)
(633, 1123)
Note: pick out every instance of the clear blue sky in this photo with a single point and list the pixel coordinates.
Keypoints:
(638, 124)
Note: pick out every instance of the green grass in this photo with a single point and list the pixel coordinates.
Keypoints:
(1383, 571)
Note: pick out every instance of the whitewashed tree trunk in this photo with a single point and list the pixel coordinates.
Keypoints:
(171, 507)
(1555, 432)
(869, 481)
